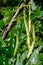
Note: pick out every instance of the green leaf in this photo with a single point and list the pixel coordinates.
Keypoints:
(34, 57)
(1, 60)
(35, 14)
(4, 1)
(32, 4)
(40, 57)
(2, 43)
(1, 23)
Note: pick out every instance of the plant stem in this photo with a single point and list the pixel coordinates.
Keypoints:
(32, 46)
(27, 31)
(17, 45)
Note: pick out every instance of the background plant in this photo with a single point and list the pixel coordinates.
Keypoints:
(14, 49)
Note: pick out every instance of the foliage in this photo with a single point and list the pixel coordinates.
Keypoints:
(14, 50)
